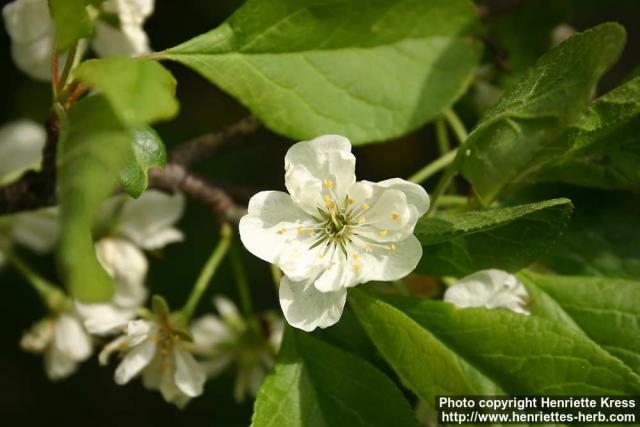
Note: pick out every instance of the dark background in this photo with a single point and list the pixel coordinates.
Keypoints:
(517, 32)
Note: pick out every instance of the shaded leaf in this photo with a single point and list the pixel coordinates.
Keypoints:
(508, 238)
(71, 20)
(148, 151)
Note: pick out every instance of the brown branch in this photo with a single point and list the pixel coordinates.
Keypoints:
(207, 145)
(175, 177)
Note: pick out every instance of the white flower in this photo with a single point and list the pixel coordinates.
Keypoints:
(63, 341)
(21, 144)
(158, 353)
(331, 232)
(129, 38)
(490, 289)
(32, 33)
(128, 267)
(227, 339)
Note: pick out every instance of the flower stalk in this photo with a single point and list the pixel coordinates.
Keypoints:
(52, 297)
(208, 271)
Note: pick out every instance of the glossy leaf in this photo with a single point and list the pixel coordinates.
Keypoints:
(439, 349)
(148, 151)
(525, 128)
(71, 20)
(315, 383)
(299, 66)
(140, 91)
(508, 238)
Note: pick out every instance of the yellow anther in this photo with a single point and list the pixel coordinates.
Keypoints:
(356, 267)
(310, 232)
(282, 231)
(321, 256)
(365, 206)
(328, 184)
(392, 248)
(300, 229)
(395, 216)
(382, 233)
(366, 248)
(349, 201)
(362, 220)
(355, 256)
(176, 337)
(326, 198)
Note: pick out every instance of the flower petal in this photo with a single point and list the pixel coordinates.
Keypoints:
(135, 361)
(208, 332)
(306, 308)
(102, 319)
(71, 339)
(57, 364)
(312, 165)
(189, 376)
(129, 40)
(38, 230)
(21, 144)
(152, 213)
(128, 267)
(416, 194)
(385, 265)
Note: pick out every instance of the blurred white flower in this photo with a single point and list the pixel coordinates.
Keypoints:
(128, 267)
(63, 341)
(21, 144)
(157, 352)
(490, 289)
(128, 38)
(331, 232)
(226, 340)
(32, 33)
(118, 30)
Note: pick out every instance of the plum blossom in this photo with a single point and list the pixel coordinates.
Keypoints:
(132, 225)
(491, 289)
(21, 144)
(227, 339)
(158, 352)
(64, 342)
(331, 232)
(118, 26)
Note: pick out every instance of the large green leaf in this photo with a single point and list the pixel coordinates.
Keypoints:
(602, 238)
(140, 91)
(525, 128)
(71, 20)
(148, 151)
(316, 384)
(367, 69)
(607, 310)
(439, 349)
(605, 143)
(94, 144)
(508, 238)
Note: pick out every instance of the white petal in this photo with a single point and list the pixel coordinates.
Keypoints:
(189, 376)
(306, 308)
(57, 364)
(27, 20)
(21, 144)
(135, 361)
(416, 194)
(309, 164)
(208, 332)
(38, 230)
(128, 267)
(226, 308)
(491, 289)
(129, 11)
(157, 376)
(129, 40)
(152, 213)
(71, 339)
(340, 275)
(102, 319)
(269, 228)
(39, 336)
(385, 265)
(117, 344)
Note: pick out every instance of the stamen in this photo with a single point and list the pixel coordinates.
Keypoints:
(282, 230)
(328, 184)
(362, 220)
(392, 248)
(300, 229)
(395, 216)
(355, 256)
(365, 206)
(382, 233)
(349, 201)
(356, 267)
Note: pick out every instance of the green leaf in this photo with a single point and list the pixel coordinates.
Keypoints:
(508, 238)
(439, 349)
(602, 238)
(93, 145)
(140, 91)
(605, 143)
(71, 20)
(525, 128)
(607, 310)
(314, 383)
(148, 151)
(368, 69)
